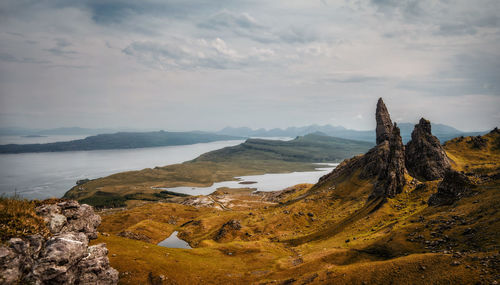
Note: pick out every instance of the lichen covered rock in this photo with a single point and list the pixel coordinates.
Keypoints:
(63, 258)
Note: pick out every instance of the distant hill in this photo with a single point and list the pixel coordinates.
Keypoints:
(13, 131)
(315, 147)
(443, 132)
(122, 140)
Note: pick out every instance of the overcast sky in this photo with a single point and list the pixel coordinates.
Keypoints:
(193, 64)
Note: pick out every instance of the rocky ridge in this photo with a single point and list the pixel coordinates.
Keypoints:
(63, 258)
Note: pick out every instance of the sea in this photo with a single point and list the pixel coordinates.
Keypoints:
(51, 174)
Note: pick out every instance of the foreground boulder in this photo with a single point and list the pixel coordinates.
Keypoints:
(63, 258)
(454, 186)
(425, 157)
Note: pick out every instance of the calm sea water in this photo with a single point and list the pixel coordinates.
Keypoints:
(51, 174)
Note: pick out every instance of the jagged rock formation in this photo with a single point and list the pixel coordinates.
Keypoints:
(425, 157)
(391, 178)
(454, 186)
(385, 162)
(384, 123)
(64, 258)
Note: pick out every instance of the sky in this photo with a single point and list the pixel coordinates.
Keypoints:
(205, 65)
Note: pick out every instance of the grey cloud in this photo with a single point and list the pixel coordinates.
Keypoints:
(194, 54)
(297, 35)
(352, 79)
(246, 26)
(480, 70)
(61, 48)
(453, 29)
(6, 57)
(112, 11)
(226, 19)
(474, 73)
(408, 8)
(237, 24)
(254, 51)
(449, 19)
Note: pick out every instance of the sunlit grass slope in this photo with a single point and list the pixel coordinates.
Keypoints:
(326, 234)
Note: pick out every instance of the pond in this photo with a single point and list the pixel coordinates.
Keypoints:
(174, 242)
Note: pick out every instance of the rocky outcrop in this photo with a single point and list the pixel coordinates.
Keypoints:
(425, 157)
(65, 257)
(478, 142)
(391, 178)
(228, 229)
(136, 236)
(454, 186)
(384, 123)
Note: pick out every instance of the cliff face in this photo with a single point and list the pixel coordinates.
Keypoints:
(425, 157)
(65, 257)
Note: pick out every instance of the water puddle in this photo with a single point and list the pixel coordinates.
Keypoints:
(174, 242)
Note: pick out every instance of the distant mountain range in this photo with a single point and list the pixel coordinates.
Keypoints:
(115, 139)
(443, 132)
(13, 131)
(122, 140)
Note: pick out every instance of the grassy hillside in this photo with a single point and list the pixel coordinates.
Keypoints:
(250, 158)
(123, 140)
(308, 148)
(325, 234)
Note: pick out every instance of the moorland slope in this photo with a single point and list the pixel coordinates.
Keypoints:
(368, 222)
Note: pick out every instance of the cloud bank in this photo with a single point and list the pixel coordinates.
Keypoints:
(194, 64)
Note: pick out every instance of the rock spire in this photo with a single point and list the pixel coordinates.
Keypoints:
(391, 179)
(425, 157)
(384, 123)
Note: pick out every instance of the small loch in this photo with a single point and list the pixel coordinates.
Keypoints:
(174, 242)
(264, 182)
